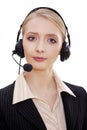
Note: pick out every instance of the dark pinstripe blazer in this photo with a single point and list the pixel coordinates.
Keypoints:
(25, 116)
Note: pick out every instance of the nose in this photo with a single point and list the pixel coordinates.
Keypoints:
(40, 47)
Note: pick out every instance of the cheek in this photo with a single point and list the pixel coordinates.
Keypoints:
(56, 51)
(27, 48)
(54, 54)
(27, 52)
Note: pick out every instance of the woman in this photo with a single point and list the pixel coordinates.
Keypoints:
(39, 100)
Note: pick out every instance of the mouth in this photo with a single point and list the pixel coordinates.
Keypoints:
(39, 59)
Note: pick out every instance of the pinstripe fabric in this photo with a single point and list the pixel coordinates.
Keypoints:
(24, 115)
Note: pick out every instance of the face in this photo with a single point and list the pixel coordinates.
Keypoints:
(42, 42)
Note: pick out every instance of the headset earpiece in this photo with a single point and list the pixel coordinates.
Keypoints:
(19, 49)
(65, 51)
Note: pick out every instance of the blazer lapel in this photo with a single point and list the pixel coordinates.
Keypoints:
(71, 109)
(30, 113)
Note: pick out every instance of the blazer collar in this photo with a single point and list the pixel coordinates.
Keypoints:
(71, 109)
(28, 110)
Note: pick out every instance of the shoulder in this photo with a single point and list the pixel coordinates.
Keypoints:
(79, 91)
(8, 88)
(6, 93)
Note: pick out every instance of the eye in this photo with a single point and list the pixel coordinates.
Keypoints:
(52, 40)
(31, 38)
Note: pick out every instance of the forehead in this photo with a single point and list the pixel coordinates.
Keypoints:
(40, 24)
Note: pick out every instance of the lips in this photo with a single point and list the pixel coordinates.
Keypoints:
(39, 59)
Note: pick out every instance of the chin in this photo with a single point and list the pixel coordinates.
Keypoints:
(39, 68)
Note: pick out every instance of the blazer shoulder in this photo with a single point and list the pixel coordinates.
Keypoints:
(76, 89)
(6, 93)
(7, 88)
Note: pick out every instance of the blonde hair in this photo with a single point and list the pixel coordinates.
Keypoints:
(50, 15)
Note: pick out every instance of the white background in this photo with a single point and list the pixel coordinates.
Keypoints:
(13, 12)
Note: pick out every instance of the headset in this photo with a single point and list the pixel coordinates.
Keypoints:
(65, 50)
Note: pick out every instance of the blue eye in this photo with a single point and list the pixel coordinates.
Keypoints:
(51, 40)
(31, 38)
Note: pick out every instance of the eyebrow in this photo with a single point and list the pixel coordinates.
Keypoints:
(31, 33)
(54, 35)
(49, 34)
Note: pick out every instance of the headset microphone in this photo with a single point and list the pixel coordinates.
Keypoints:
(26, 67)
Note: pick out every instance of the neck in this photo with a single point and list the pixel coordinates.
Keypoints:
(39, 79)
